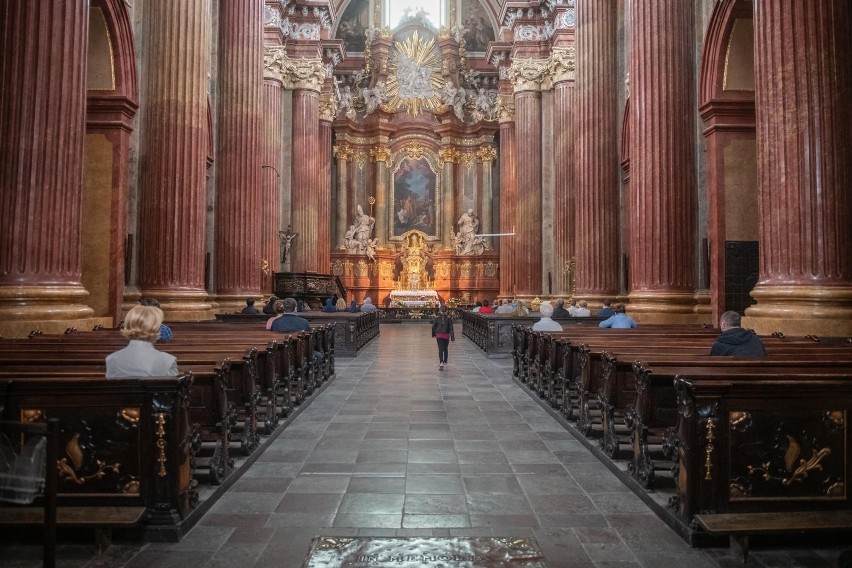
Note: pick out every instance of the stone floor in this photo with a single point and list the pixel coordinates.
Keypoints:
(395, 447)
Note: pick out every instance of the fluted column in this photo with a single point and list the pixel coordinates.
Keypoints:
(381, 155)
(173, 173)
(565, 211)
(448, 157)
(323, 199)
(238, 173)
(662, 213)
(306, 206)
(42, 128)
(343, 153)
(804, 132)
(486, 156)
(526, 79)
(596, 214)
(270, 208)
(508, 198)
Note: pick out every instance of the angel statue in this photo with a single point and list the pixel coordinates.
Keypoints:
(374, 97)
(454, 97)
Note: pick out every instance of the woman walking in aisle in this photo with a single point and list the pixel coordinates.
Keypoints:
(442, 330)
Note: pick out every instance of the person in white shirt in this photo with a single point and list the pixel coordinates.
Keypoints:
(582, 310)
(140, 358)
(546, 323)
(505, 307)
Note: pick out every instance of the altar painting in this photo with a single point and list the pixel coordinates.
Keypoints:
(415, 198)
(477, 27)
(354, 24)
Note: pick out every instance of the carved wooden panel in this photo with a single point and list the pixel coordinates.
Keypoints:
(794, 454)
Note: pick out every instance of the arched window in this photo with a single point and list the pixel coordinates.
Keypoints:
(397, 10)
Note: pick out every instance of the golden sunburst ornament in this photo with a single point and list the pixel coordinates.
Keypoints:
(415, 81)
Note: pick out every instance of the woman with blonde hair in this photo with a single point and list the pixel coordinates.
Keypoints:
(520, 310)
(140, 358)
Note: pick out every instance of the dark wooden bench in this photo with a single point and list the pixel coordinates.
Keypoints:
(739, 527)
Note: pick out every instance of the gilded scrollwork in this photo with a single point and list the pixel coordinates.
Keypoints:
(450, 155)
(360, 159)
(486, 154)
(343, 152)
(414, 150)
(161, 444)
(381, 154)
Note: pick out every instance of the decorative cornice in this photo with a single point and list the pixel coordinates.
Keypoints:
(528, 74)
(381, 154)
(294, 73)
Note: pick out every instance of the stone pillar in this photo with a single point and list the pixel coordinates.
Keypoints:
(173, 174)
(323, 198)
(527, 75)
(661, 241)
(306, 77)
(448, 157)
(270, 208)
(343, 153)
(238, 160)
(486, 156)
(381, 155)
(804, 132)
(597, 205)
(508, 198)
(565, 205)
(43, 118)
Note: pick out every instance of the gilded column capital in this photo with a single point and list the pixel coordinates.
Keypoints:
(449, 155)
(342, 152)
(486, 154)
(562, 65)
(381, 154)
(294, 73)
(528, 74)
(505, 109)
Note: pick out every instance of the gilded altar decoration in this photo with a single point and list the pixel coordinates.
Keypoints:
(381, 154)
(360, 159)
(342, 152)
(415, 80)
(413, 258)
(486, 154)
(385, 270)
(337, 267)
(448, 155)
(414, 150)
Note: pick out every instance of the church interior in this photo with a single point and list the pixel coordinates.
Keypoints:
(682, 157)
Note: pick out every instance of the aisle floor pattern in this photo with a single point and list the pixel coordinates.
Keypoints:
(396, 447)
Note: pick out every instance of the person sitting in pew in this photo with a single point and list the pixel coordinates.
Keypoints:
(505, 307)
(546, 323)
(368, 306)
(582, 310)
(165, 331)
(486, 308)
(619, 319)
(250, 309)
(279, 311)
(329, 306)
(289, 321)
(559, 312)
(606, 312)
(736, 341)
(140, 358)
(520, 310)
(269, 308)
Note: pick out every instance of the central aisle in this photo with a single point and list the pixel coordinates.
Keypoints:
(395, 447)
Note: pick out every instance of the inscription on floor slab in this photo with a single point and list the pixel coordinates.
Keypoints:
(473, 552)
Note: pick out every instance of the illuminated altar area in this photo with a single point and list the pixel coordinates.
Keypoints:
(415, 176)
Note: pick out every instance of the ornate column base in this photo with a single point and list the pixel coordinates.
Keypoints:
(669, 307)
(824, 311)
(183, 305)
(52, 309)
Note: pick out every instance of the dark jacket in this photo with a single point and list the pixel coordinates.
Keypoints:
(559, 312)
(250, 310)
(269, 309)
(738, 342)
(329, 307)
(605, 313)
(290, 322)
(443, 324)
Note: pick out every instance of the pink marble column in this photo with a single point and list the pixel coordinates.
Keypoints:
(661, 241)
(528, 236)
(565, 213)
(323, 199)
(270, 208)
(238, 172)
(172, 179)
(596, 214)
(804, 132)
(306, 207)
(42, 128)
(508, 198)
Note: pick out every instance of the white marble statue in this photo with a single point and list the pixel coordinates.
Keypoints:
(466, 241)
(358, 239)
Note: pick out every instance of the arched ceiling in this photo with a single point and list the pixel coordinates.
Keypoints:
(492, 7)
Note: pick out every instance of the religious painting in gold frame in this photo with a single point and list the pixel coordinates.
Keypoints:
(415, 194)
